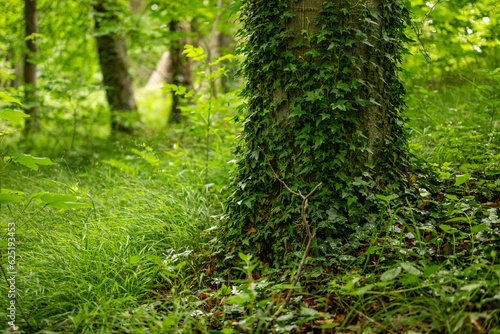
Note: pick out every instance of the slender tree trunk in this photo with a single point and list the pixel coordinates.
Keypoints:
(116, 77)
(6, 83)
(30, 73)
(163, 71)
(136, 5)
(180, 69)
(220, 44)
(325, 104)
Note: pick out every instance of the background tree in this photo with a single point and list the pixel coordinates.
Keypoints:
(114, 66)
(325, 104)
(30, 72)
(180, 67)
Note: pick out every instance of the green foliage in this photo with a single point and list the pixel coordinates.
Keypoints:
(116, 235)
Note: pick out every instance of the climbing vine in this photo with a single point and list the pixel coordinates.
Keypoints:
(325, 103)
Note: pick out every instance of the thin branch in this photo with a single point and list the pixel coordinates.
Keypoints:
(419, 33)
(303, 212)
(426, 15)
(276, 175)
(297, 276)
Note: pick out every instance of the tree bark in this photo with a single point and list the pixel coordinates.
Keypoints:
(181, 71)
(114, 67)
(30, 68)
(325, 104)
(219, 45)
(136, 5)
(163, 71)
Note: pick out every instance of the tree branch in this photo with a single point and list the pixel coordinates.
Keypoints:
(303, 212)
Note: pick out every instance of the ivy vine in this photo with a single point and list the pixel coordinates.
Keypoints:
(326, 104)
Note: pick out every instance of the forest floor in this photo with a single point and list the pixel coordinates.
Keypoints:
(129, 262)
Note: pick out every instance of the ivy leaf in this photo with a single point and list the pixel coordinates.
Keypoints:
(340, 104)
(30, 161)
(13, 116)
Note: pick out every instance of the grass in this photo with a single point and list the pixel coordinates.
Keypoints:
(78, 269)
(128, 263)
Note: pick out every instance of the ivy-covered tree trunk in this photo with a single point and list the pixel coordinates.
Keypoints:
(114, 67)
(30, 73)
(324, 102)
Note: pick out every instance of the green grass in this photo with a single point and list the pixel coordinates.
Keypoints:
(93, 270)
(97, 264)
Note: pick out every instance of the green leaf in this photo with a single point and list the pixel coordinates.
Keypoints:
(133, 259)
(332, 325)
(10, 198)
(59, 201)
(471, 287)
(430, 270)
(372, 250)
(457, 219)
(49, 198)
(8, 98)
(29, 161)
(68, 205)
(224, 290)
(13, 116)
(244, 257)
(308, 311)
(362, 290)
(462, 179)
(195, 53)
(479, 228)
(390, 274)
(225, 57)
(240, 299)
(387, 198)
(285, 317)
(411, 269)
(448, 229)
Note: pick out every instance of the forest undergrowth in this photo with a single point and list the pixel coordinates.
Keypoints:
(132, 261)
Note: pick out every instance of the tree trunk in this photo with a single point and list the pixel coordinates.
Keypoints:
(163, 71)
(30, 75)
(180, 69)
(219, 45)
(114, 67)
(325, 104)
(136, 5)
